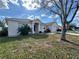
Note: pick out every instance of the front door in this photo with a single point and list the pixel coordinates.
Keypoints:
(36, 27)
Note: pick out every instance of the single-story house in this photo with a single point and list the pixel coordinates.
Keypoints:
(35, 25)
(52, 26)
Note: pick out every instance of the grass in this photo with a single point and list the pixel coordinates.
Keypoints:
(38, 47)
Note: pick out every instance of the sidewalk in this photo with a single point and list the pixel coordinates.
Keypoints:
(73, 34)
(76, 34)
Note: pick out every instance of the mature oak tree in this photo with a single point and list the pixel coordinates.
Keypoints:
(63, 8)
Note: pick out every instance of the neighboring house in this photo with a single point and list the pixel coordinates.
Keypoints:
(73, 27)
(2, 25)
(36, 26)
(52, 26)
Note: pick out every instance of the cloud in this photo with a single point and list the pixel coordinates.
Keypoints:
(30, 17)
(4, 4)
(43, 15)
(37, 17)
(77, 16)
(30, 4)
(50, 17)
(54, 16)
(50, 4)
(77, 13)
(14, 2)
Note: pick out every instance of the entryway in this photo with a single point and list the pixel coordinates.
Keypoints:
(36, 27)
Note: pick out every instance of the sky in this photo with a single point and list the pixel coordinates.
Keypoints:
(25, 9)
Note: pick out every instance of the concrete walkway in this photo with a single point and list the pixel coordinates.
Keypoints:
(50, 33)
(73, 34)
(66, 33)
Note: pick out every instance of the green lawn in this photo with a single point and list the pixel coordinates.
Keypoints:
(39, 47)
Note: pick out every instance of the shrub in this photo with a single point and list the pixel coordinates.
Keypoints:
(59, 30)
(24, 30)
(4, 32)
(40, 31)
(47, 30)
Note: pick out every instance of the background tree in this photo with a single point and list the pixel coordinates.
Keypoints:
(64, 8)
(1, 24)
(3, 31)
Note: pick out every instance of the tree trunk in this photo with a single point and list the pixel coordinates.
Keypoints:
(64, 30)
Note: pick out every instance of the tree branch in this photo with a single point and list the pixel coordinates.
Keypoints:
(70, 8)
(66, 7)
(56, 4)
(73, 15)
(62, 7)
(55, 12)
(73, 7)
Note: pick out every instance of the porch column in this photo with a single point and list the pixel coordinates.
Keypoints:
(39, 29)
(33, 27)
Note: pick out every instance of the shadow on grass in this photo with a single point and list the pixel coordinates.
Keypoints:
(71, 42)
(19, 38)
